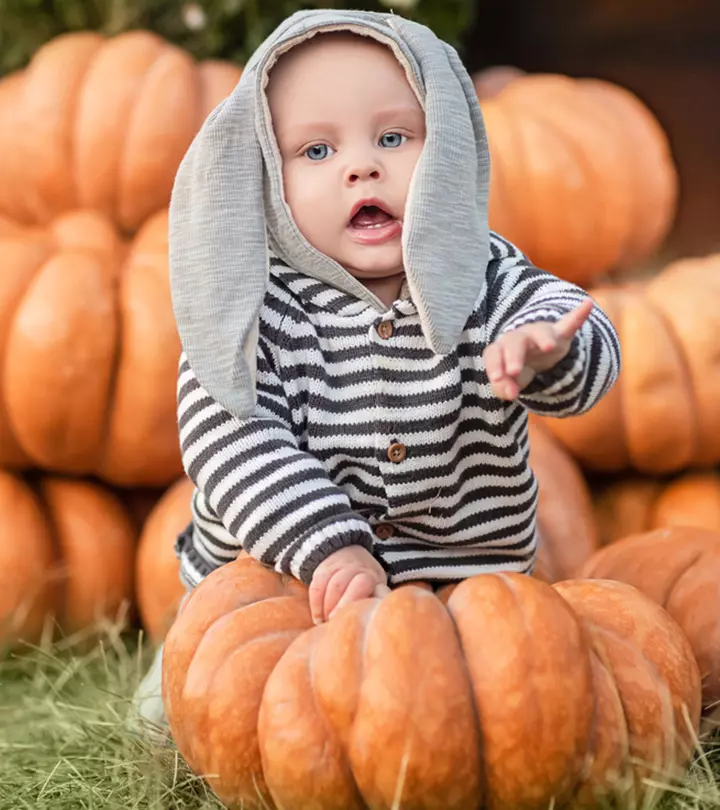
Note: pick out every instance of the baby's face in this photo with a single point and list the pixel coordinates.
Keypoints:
(350, 131)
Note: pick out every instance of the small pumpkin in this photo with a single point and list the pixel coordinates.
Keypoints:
(158, 586)
(679, 568)
(521, 694)
(102, 123)
(567, 531)
(67, 550)
(635, 505)
(583, 180)
(86, 319)
(662, 415)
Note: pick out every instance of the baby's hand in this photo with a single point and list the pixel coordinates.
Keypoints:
(514, 358)
(347, 575)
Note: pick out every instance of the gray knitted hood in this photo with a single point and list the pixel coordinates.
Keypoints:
(227, 212)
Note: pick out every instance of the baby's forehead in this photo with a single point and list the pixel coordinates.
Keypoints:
(328, 48)
(338, 75)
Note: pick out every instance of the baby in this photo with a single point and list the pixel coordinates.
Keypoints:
(360, 352)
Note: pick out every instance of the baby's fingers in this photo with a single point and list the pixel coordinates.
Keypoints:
(317, 593)
(566, 327)
(336, 589)
(360, 586)
(380, 591)
(494, 362)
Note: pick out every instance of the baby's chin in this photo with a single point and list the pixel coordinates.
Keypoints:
(373, 263)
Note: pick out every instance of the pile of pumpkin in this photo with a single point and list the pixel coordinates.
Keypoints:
(92, 494)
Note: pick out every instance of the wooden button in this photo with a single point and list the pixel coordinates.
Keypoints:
(385, 329)
(384, 531)
(397, 452)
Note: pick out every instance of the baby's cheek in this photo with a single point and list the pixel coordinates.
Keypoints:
(309, 203)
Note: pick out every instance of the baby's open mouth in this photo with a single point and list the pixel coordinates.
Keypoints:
(370, 216)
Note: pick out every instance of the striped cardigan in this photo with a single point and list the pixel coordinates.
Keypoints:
(362, 435)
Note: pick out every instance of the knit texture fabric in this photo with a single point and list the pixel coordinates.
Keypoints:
(310, 471)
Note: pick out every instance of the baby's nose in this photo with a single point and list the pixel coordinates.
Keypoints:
(363, 171)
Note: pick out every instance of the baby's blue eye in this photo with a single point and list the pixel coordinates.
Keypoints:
(391, 140)
(319, 151)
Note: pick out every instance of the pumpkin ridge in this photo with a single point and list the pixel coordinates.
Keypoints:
(662, 689)
(130, 120)
(320, 712)
(367, 619)
(594, 735)
(482, 771)
(614, 305)
(514, 136)
(570, 142)
(113, 371)
(513, 590)
(510, 210)
(127, 144)
(576, 784)
(610, 632)
(56, 578)
(626, 395)
(199, 718)
(684, 367)
(674, 582)
(6, 331)
(73, 118)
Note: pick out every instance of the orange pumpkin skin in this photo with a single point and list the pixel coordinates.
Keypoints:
(662, 415)
(567, 531)
(635, 505)
(520, 693)
(66, 551)
(679, 568)
(103, 124)
(157, 577)
(582, 176)
(87, 320)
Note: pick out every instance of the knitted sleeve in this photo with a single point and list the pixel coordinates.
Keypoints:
(519, 293)
(274, 500)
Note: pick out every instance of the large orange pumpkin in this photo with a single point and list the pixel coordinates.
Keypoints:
(157, 573)
(567, 531)
(103, 124)
(515, 694)
(679, 568)
(582, 176)
(634, 505)
(66, 552)
(662, 415)
(89, 351)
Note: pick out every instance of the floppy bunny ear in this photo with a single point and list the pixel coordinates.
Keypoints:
(218, 250)
(446, 239)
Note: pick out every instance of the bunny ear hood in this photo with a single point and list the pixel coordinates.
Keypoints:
(227, 205)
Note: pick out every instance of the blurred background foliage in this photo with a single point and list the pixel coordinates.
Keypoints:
(223, 29)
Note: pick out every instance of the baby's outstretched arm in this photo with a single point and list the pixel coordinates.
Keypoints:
(514, 359)
(567, 348)
(269, 497)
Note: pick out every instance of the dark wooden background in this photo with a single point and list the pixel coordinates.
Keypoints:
(666, 51)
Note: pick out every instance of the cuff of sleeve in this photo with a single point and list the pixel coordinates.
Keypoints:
(539, 312)
(559, 376)
(325, 540)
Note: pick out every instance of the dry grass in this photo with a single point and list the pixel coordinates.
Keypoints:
(65, 744)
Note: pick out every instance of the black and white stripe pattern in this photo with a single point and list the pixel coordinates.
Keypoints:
(309, 473)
